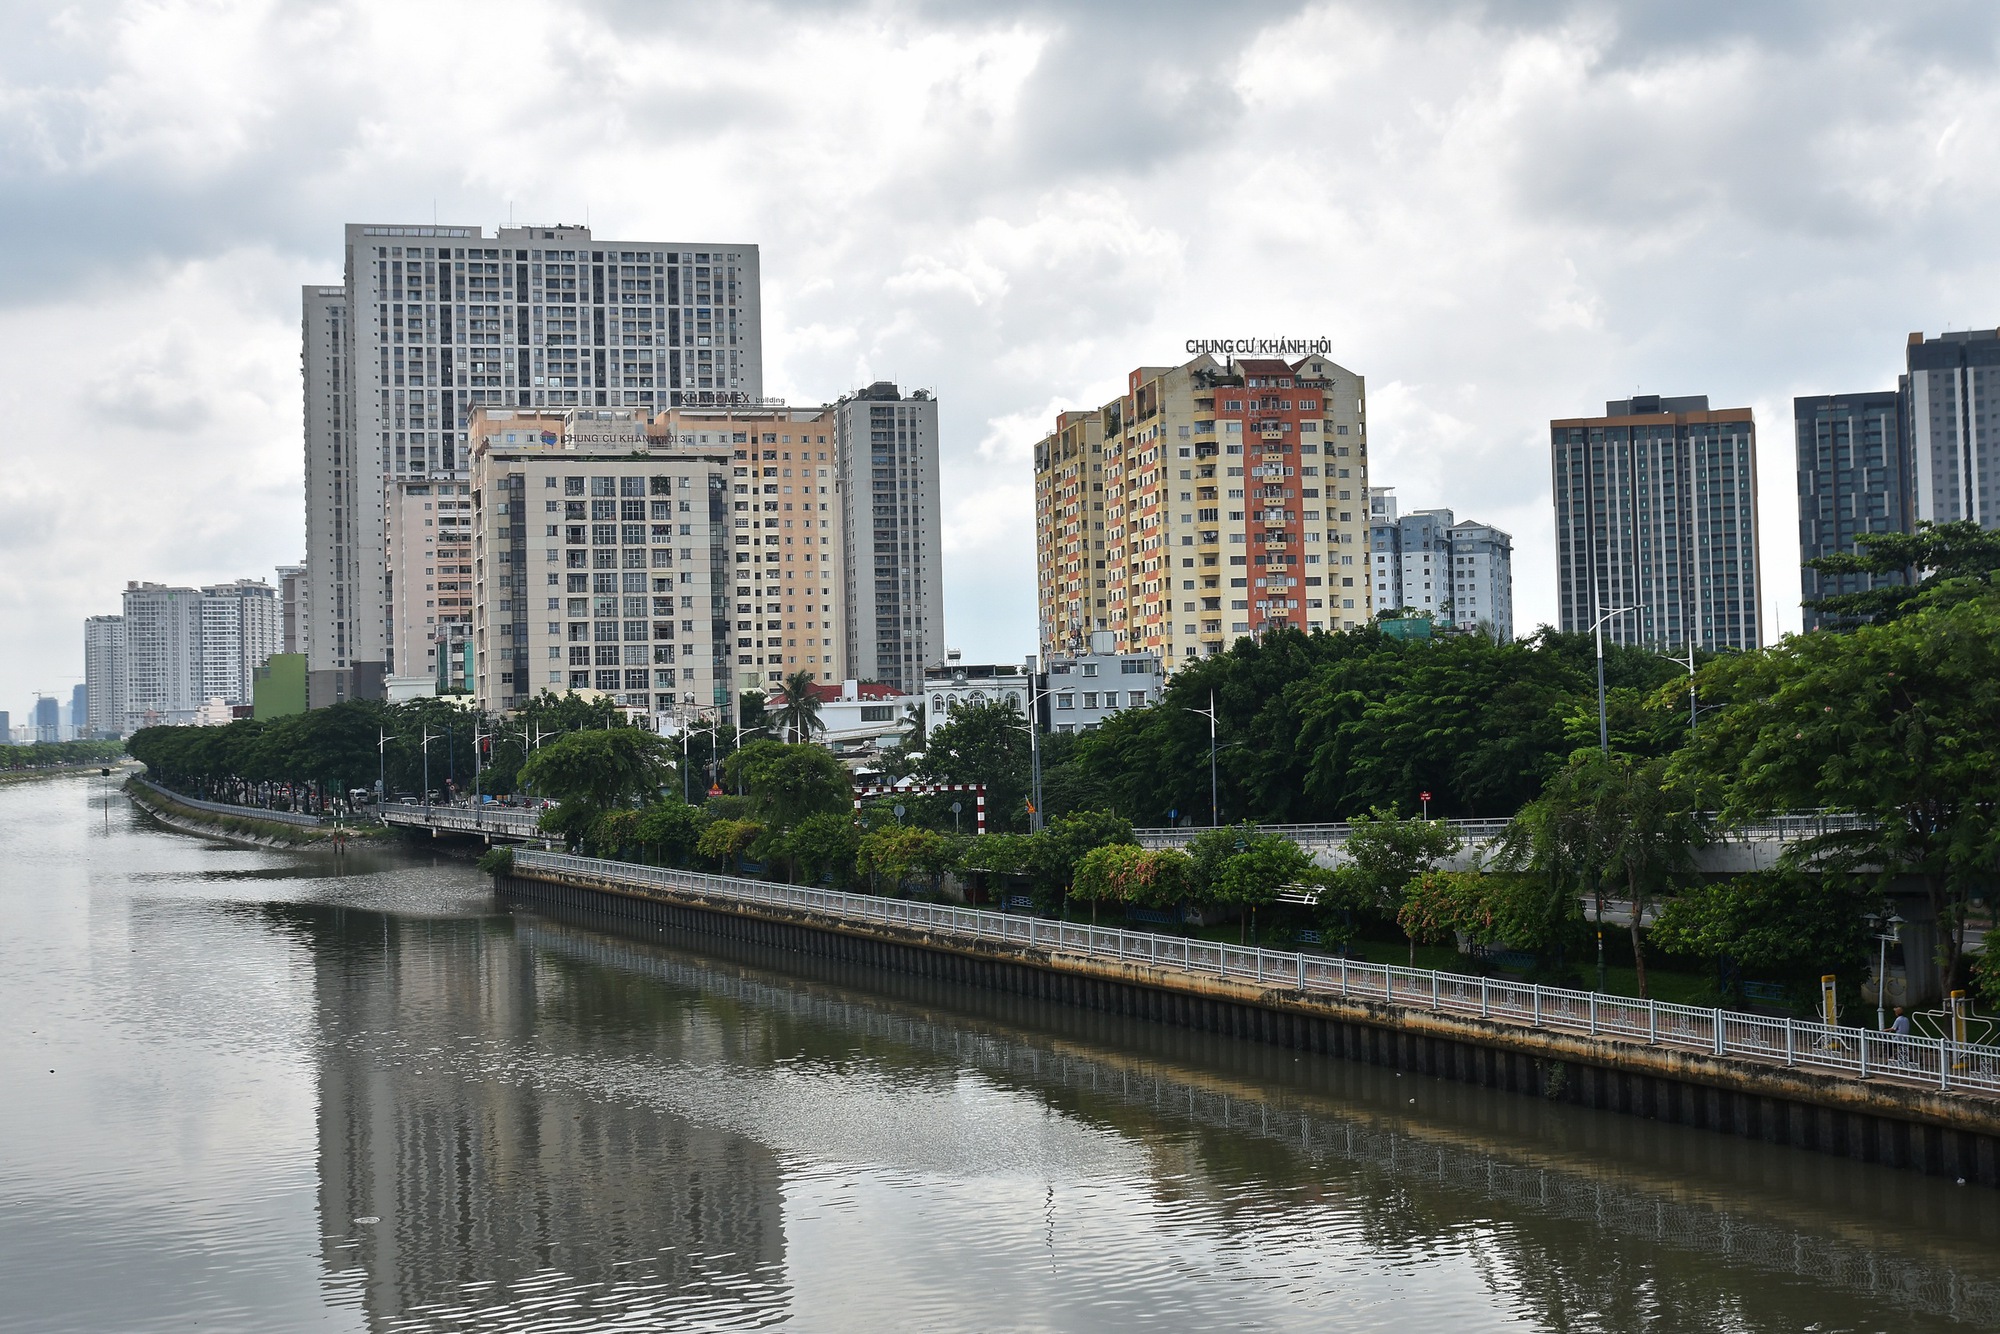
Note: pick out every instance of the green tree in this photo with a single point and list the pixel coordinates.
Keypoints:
(1784, 924)
(670, 829)
(1258, 870)
(725, 841)
(1610, 824)
(1383, 854)
(596, 771)
(983, 743)
(1897, 721)
(1126, 873)
(797, 716)
(786, 783)
(823, 846)
(899, 851)
(1938, 564)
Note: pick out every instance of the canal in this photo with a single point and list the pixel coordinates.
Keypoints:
(252, 1090)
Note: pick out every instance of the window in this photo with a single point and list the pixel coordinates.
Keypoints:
(1065, 701)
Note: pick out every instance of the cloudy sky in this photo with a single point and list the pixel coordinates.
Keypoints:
(1497, 213)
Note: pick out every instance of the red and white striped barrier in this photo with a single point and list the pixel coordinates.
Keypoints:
(978, 790)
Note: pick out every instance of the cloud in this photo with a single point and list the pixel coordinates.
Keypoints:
(1499, 213)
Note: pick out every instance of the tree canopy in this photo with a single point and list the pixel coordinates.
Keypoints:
(1938, 564)
(1898, 721)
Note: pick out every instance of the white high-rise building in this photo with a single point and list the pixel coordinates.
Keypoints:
(1459, 573)
(104, 676)
(239, 633)
(434, 323)
(888, 453)
(162, 655)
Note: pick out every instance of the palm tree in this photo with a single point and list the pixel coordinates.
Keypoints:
(799, 715)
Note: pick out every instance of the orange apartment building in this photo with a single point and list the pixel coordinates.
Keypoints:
(1211, 501)
(785, 537)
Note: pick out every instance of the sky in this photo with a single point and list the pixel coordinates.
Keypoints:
(1497, 213)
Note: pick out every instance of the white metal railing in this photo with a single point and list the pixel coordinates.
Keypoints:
(1934, 1062)
(227, 808)
(1789, 828)
(485, 818)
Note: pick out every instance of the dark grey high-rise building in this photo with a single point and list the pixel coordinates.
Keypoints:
(48, 718)
(888, 455)
(1656, 511)
(1951, 417)
(1855, 477)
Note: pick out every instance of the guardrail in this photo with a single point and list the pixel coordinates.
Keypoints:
(225, 808)
(1933, 1062)
(511, 821)
(1778, 828)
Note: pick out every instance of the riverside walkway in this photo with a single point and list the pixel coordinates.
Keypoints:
(1939, 1065)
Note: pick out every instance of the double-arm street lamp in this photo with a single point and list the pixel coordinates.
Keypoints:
(1214, 801)
(1603, 724)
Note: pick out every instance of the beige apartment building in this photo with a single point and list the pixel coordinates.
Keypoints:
(428, 531)
(785, 536)
(1212, 500)
(601, 561)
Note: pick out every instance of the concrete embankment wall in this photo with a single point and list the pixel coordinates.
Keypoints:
(250, 831)
(1949, 1135)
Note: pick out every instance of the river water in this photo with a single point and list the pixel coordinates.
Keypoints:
(253, 1090)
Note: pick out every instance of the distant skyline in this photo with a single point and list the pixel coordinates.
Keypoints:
(1510, 214)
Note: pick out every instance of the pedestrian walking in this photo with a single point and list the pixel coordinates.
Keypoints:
(1900, 1026)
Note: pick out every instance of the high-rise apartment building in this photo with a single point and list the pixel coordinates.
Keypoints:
(1951, 418)
(1234, 500)
(788, 535)
(602, 561)
(47, 719)
(434, 323)
(427, 530)
(239, 632)
(79, 713)
(1855, 477)
(291, 608)
(888, 479)
(104, 676)
(1460, 573)
(1070, 580)
(163, 677)
(1656, 512)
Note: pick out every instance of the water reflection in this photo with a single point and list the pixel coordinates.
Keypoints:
(1568, 1215)
(459, 1188)
(222, 1062)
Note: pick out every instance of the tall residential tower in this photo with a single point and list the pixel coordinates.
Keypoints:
(1656, 523)
(1855, 477)
(433, 323)
(1211, 500)
(888, 482)
(1458, 572)
(1951, 412)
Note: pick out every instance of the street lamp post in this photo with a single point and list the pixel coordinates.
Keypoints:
(1034, 756)
(427, 767)
(1214, 799)
(1893, 935)
(1603, 724)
